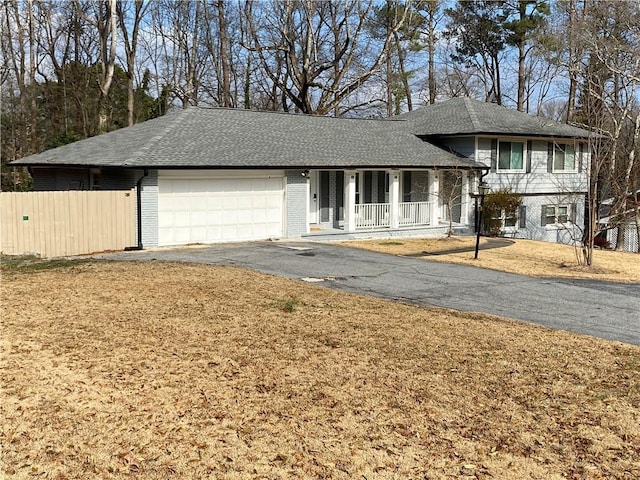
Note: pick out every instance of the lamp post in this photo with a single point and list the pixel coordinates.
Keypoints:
(483, 189)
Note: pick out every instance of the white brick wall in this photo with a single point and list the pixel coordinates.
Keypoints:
(150, 210)
(296, 203)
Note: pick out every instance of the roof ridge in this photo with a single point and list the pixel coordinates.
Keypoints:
(293, 114)
(152, 141)
(472, 113)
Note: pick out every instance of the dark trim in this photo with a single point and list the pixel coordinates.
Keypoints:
(494, 154)
(522, 217)
(263, 167)
(139, 207)
(505, 135)
(551, 194)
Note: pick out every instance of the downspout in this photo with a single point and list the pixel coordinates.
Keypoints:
(139, 208)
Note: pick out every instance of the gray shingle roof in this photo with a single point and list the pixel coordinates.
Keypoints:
(234, 138)
(464, 115)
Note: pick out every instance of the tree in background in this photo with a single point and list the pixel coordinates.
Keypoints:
(483, 29)
(316, 54)
(130, 28)
(480, 38)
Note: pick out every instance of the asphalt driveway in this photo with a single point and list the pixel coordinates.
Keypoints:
(601, 309)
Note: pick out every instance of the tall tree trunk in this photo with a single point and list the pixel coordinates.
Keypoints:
(33, 116)
(224, 55)
(522, 78)
(573, 63)
(403, 73)
(432, 56)
(130, 50)
(108, 41)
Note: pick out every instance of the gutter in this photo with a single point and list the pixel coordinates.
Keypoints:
(139, 208)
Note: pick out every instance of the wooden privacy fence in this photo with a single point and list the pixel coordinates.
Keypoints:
(53, 224)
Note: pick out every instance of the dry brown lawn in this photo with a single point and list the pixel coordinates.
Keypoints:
(526, 257)
(158, 370)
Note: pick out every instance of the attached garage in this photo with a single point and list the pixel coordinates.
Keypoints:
(207, 206)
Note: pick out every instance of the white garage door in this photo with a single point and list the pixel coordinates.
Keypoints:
(208, 210)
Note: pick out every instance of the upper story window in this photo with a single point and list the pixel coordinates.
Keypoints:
(511, 155)
(564, 157)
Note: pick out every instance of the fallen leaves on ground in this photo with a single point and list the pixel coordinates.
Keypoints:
(155, 370)
(524, 257)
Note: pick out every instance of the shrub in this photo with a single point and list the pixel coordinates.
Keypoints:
(498, 205)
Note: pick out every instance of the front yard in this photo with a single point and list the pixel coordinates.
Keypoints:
(525, 257)
(155, 371)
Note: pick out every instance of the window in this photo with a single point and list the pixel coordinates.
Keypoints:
(506, 220)
(564, 157)
(555, 214)
(511, 156)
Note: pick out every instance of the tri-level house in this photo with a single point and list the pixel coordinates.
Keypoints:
(205, 175)
(545, 162)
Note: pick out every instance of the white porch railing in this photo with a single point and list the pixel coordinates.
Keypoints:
(372, 215)
(377, 215)
(415, 213)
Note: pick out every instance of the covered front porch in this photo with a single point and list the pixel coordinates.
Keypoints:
(388, 201)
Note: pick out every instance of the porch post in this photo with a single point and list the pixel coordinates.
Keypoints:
(464, 198)
(349, 200)
(394, 198)
(434, 190)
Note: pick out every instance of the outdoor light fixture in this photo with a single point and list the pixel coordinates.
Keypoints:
(483, 190)
(305, 173)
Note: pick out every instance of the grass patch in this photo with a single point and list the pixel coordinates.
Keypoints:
(32, 263)
(290, 305)
(388, 243)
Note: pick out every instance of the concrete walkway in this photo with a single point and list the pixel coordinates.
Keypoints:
(601, 309)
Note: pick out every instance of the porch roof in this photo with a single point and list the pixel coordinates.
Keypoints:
(235, 138)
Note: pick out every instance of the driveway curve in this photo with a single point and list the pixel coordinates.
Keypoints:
(601, 309)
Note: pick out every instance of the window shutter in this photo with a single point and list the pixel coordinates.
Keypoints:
(529, 153)
(494, 155)
(573, 212)
(543, 218)
(550, 157)
(580, 157)
(381, 187)
(368, 177)
(406, 186)
(523, 216)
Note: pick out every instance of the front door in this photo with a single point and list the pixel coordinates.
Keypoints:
(313, 197)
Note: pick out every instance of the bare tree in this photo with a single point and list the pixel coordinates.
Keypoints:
(315, 53)
(450, 194)
(177, 52)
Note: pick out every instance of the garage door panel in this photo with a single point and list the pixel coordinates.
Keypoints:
(198, 219)
(198, 186)
(259, 216)
(229, 202)
(273, 202)
(247, 201)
